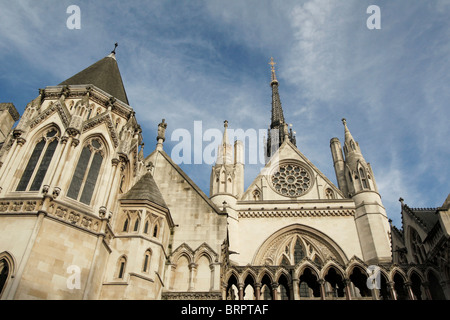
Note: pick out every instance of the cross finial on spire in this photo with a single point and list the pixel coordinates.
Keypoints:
(272, 68)
(115, 46)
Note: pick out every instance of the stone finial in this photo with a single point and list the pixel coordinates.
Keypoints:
(162, 131)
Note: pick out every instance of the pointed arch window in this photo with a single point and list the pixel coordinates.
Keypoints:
(136, 225)
(122, 263)
(329, 194)
(87, 172)
(38, 164)
(4, 274)
(299, 254)
(147, 259)
(125, 225)
(362, 176)
(155, 231)
(146, 227)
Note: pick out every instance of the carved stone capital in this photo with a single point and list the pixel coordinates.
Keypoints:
(75, 142)
(115, 162)
(21, 141)
(17, 133)
(73, 132)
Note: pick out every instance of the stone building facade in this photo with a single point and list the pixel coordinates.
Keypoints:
(85, 215)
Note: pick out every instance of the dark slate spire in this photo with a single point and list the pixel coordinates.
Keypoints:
(277, 110)
(103, 74)
(278, 129)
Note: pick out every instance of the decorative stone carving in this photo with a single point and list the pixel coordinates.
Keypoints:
(162, 130)
(291, 180)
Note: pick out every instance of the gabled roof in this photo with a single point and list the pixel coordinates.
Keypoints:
(145, 189)
(427, 217)
(186, 178)
(103, 74)
(276, 157)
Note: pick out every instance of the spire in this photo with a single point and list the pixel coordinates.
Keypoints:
(278, 129)
(224, 155)
(351, 146)
(225, 140)
(272, 67)
(277, 110)
(104, 74)
(348, 135)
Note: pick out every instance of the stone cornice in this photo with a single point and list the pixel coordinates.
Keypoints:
(296, 213)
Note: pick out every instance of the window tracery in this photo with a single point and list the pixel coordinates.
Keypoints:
(87, 171)
(39, 161)
(291, 180)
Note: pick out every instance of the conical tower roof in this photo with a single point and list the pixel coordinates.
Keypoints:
(145, 189)
(103, 74)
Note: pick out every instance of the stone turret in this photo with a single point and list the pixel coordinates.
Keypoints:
(355, 177)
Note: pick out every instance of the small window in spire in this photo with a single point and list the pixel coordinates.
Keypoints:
(136, 225)
(125, 225)
(363, 179)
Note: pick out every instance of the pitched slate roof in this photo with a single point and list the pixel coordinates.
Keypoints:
(427, 217)
(103, 74)
(145, 189)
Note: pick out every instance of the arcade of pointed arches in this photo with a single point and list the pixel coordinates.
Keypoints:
(307, 281)
(299, 262)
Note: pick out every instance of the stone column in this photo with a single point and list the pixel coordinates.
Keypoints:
(6, 179)
(426, 288)
(258, 291)
(241, 291)
(348, 293)
(322, 288)
(109, 202)
(296, 289)
(115, 163)
(192, 269)
(392, 290)
(274, 291)
(409, 290)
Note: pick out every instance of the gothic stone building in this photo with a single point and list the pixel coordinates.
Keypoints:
(85, 215)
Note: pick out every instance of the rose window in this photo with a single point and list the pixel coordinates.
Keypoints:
(291, 180)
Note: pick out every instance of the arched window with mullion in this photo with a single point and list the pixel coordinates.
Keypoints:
(39, 162)
(86, 172)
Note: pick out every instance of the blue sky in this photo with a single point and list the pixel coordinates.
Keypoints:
(207, 61)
